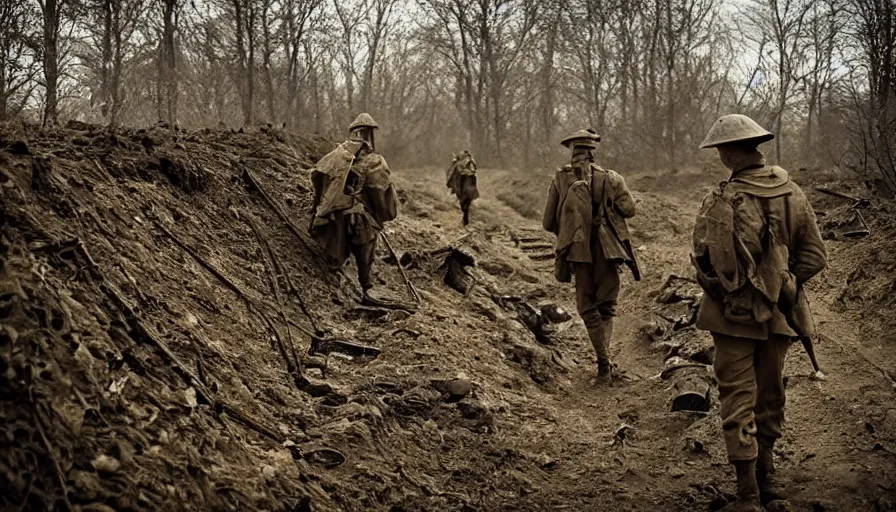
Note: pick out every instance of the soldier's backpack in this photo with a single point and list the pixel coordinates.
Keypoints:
(740, 253)
(341, 181)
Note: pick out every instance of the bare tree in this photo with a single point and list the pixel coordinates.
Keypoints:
(484, 41)
(784, 23)
(166, 86)
(18, 48)
(297, 18)
(875, 31)
(52, 14)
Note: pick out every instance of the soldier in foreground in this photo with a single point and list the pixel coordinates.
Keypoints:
(353, 198)
(586, 208)
(462, 181)
(756, 243)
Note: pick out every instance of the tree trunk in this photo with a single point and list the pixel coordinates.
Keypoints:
(105, 93)
(547, 90)
(266, 63)
(117, 64)
(250, 65)
(4, 108)
(51, 60)
(167, 86)
(315, 84)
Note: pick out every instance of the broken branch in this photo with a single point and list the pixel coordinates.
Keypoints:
(145, 334)
(404, 275)
(267, 255)
(542, 256)
(858, 200)
(321, 346)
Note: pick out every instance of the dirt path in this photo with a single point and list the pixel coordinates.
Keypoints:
(120, 423)
(622, 447)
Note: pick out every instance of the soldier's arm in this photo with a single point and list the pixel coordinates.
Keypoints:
(379, 193)
(623, 200)
(808, 254)
(318, 182)
(549, 219)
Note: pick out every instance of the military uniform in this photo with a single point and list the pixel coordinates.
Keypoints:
(756, 242)
(353, 198)
(461, 181)
(583, 199)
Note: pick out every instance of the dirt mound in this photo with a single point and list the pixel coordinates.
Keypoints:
(158, 298)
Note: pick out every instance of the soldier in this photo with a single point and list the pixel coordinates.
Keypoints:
(353, 198)
(462, 181)
(755, 244)
(586, 208)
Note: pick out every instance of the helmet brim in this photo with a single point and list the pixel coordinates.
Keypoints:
(759, 139)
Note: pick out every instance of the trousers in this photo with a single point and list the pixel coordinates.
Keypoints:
(751, 391)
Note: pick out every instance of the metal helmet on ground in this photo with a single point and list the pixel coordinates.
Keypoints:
(364, 120)
(735, 128)
(582, 139)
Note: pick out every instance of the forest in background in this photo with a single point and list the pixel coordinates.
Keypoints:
(504, 78)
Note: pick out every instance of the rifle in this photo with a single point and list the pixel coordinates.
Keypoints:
(623, 246)
(805, 339)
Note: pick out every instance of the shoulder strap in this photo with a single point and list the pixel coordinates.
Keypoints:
(602, 207)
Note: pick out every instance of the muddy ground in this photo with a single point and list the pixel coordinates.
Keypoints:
(146, 357)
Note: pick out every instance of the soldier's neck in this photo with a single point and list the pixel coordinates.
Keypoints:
(742, 161)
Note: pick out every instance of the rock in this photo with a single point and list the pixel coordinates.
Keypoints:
(885, 504)
(457, 389)
(555, 314)
(106, 464)
(470, 410)
(779, 506)
(819, 506)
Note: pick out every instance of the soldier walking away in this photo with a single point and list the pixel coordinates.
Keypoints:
(586, 208)
(353, 198)
(755, 244)
(462, 181)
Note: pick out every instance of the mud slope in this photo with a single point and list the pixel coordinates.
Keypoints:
(145, 351)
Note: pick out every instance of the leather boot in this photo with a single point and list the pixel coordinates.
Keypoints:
(604, 368)
(769, 490)
(747, 488)
(598, 336)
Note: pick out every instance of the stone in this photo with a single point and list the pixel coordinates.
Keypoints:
(779, 506)
(106, 464)
(457, 389)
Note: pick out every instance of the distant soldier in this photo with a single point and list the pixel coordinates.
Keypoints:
(353, 198)
(586, 208)
(462, 181)
(756, 243)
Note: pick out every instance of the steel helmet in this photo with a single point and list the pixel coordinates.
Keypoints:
(582, 138)
(364, 120)
(735, 128)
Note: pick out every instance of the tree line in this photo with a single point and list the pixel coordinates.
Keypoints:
(504, 78)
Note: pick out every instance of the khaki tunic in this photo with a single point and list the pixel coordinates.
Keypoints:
(749, 358)
(353, 226)
(596, 279)
(461, 180)
(806, 248)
